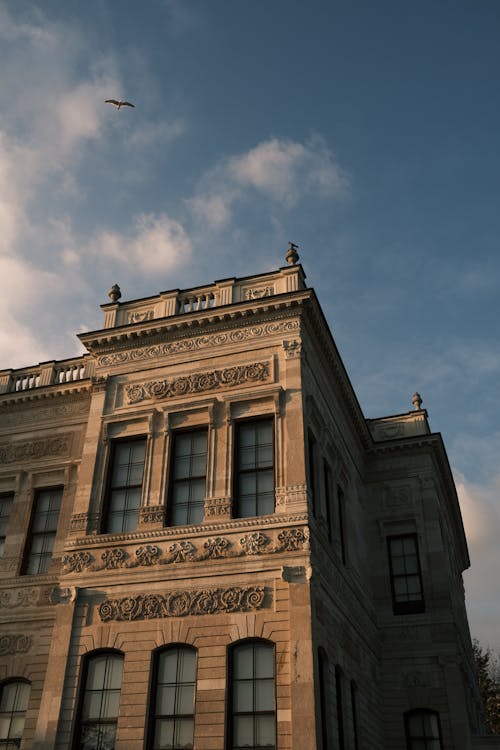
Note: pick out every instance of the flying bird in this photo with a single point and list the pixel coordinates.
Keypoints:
(119, 104)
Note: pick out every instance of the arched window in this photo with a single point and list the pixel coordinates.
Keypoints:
(171, 725)
(99, 701)
(423, 731)
(14, 696)
(252, 714)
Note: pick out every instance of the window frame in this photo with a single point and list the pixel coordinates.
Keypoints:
(14, 741)
(328, 489)
(312, 469)
(171, 472)
(82, 690)
(339, 706)
(271, 419)
(342, 523)
(323, 685)
(422, 712)
(230, 682)
(408, 607)
(153, 687)
(6, 499)
(109, 488)
(28, 554)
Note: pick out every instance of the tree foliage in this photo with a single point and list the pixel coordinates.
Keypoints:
(488, 672)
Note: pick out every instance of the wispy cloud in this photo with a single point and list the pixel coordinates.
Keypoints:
(280, 170)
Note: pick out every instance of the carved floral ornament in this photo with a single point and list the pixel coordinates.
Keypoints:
(183, 603)
(199, 342)
(57, 445)
(13, 643)
(198, 383)
(253, 543)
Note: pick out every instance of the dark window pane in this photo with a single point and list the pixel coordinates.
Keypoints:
(254, 475)
(188, 485)
(125, 488)
(253, 702)
(100, 702)
(42, 535)
(406, 579)
(14, 698)
(172, 706)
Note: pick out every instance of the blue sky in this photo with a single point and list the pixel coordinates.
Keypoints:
(365, 132)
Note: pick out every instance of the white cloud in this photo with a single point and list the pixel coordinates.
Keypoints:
(159, 244)
(280, 170)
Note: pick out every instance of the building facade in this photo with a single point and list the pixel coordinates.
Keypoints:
(206, 545)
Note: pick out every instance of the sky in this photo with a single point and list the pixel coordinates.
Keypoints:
(367, 133)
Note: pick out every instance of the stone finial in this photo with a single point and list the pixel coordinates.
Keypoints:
(417, 401)
(114, 293)
(292, 255)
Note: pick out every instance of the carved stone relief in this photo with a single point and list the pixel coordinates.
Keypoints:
(253, 543)
(152, 514)
(13, 643)
(183, 603)
(198, 383)
(28, 597)
(139, 317)
(292, 348)
(198, 342)
(398, 498)
(258, 292)
(32, 414)
(218, 506)
(35, 449)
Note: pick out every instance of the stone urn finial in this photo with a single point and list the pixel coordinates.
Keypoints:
(292, 255)
(417, 401)
(114, 293)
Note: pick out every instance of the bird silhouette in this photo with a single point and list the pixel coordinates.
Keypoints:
(118, 104)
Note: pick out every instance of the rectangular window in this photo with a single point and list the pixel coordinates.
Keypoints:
(254, 476)
(406, 577)
(340, 707)
(42, 531)
(341, 511)
(252, 697)
(5, 508)
(311, 449)
(188, 478)
(125, 486)
(327, 480)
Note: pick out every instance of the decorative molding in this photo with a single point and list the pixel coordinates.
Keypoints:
(11, 644)
(8, 564)
(397, 498)
(198, 342)
(198, 383)
(253, 543)
(217, 506)
(18, 416)
(293, 493)
(32, 450)
(152, 514)
(183, 603)
(63, 595)
(293, 349)
(27, 597)
(78, 522)
(140, 317)
(257, 292)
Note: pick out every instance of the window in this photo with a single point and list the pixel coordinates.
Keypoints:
(14, 696)
(422, 730)
(254, 486)
(173, 695)
(323, 697)
(341, 510)
(99, 701)
(189, 477)
(406, 578)
(252, 712)
(311, 456)
(327, 480)
(42, 532)
(125, 486)
(340, 707)
(5, 508)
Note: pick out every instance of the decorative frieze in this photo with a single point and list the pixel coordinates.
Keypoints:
(152, 514)
(33, 450)
(25, 597)
(14, 643)
(140, 317)
(253, 543)
(183, 603)
(217, 506)
(257, 292)
(78, 522)
(229, 377)
(198, 342)
(17, 416)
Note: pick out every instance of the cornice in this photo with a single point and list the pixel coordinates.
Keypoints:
(222, 318)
